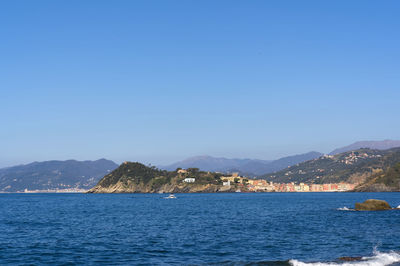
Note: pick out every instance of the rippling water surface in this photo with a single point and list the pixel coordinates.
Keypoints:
(237, 228)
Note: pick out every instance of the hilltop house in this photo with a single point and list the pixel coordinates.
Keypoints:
(189, 180)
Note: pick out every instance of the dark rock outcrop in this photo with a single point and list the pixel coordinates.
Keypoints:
(350, 258)
(373, 205)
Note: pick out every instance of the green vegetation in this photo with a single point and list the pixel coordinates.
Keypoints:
(384, 181)
(392, 177)
(352, 167)
(135, 172)
(138, 177)
(203, 177)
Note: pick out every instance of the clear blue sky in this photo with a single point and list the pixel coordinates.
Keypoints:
(158, 81)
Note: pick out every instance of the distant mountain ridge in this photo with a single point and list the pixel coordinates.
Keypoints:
(209, 163)
(53, 175)
(251, 167)
(374, 145)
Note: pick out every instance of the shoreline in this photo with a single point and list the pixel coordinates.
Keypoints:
(223, 192)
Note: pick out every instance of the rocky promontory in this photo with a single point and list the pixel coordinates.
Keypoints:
(135, 177)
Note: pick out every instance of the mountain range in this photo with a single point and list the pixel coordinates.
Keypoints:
(53, 175)
(71, 174)
(375, 145)
(248, 167)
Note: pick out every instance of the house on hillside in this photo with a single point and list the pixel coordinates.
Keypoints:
(226, 183)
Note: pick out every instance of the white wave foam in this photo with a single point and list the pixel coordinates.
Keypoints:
(344, 209)
(379, 259)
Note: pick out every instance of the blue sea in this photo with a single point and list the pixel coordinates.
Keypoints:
(197, 229)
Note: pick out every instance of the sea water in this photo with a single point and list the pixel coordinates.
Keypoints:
(197, 229)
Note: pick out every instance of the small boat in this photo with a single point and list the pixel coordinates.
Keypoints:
(171, 196)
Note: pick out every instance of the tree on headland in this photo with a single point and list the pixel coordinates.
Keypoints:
(193, 170)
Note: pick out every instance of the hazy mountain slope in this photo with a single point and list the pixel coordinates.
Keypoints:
(244, 166)
(54, 175)
(353, 167)
(208, 163)
(375, 145)
(289, 161)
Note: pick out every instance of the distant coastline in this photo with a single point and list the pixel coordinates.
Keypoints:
(46, 191)
(363, 170)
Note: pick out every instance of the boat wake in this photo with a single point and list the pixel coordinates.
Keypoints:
(378, 259)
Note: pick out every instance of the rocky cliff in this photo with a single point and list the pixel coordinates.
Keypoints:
(385, 181)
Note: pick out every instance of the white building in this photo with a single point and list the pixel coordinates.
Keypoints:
(227, 183)
(189, 180)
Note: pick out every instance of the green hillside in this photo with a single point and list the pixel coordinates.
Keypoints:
(138, 178)
(385, 181)
(353, 167)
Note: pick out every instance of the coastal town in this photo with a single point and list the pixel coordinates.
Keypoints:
(261, 185)
(64, 190)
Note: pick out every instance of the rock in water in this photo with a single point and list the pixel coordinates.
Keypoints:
(350, 258)
(373, 205)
